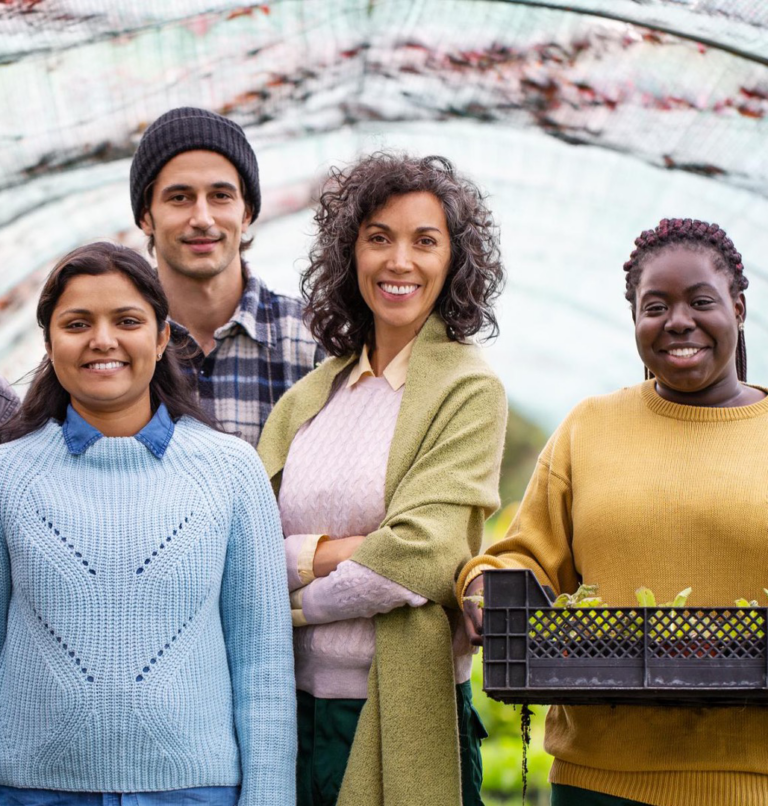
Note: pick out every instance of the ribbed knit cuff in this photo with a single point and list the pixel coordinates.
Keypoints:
(473, 574)
(473, 569)
(296, 598)
(297, 614)
(298, 619)
(666, 788)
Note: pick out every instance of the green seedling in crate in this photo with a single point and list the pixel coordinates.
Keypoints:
(585, 599)
(544, 625)
(585, 596)
(698, 626)
(746, 623)
(584, 606)
(583, 619)
(647, 599)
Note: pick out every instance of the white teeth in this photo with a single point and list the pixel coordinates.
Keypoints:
(106, 365)
(400, 290)
(685, 352)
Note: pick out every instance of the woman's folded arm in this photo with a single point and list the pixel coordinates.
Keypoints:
(352, 591)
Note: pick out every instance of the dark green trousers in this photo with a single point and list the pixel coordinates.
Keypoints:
(326, 731)
(563, 795)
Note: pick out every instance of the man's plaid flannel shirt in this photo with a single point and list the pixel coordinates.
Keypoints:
(8, 401)
(259, 354)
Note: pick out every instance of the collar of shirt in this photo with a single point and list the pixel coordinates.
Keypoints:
(8, 401)
(395, 371)
(156, 435)
(254, 314)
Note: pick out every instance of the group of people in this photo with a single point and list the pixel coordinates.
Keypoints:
(183, 620)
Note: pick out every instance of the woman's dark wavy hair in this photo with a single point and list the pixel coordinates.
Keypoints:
(335, 311)
(46, 397)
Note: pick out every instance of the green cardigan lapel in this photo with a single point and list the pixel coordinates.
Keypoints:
(426, 363)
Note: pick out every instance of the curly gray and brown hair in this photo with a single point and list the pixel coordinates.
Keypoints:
(335, 310)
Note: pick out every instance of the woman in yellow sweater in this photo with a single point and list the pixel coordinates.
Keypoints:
(661, 484)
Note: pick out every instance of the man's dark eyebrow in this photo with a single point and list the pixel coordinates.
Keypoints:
(175, 188)
(185, 188)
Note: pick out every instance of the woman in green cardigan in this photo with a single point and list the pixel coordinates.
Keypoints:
(385, 461)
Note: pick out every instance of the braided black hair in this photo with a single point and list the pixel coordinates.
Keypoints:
(697, 236)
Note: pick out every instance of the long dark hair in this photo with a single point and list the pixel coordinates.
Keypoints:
(335, 311)
(47, 399)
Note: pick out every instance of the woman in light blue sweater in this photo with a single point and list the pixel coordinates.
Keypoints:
(145, 630)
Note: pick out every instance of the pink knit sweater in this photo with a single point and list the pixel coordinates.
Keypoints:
(333, 484)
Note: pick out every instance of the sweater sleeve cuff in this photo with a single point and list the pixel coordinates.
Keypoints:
(306, 557)
(299, 558)
(297, 613)
(297, 597)
(298, 619)
(472, 570)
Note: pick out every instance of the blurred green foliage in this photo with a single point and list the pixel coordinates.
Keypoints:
(503, 749)
(522, 445)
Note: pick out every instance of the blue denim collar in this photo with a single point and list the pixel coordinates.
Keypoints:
(156, 434)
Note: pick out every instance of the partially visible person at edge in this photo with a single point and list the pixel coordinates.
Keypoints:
(660, 484)
(194, 192)
(145, 634)
(386, 460)
(9, 402)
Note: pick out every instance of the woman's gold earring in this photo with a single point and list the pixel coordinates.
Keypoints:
(741, 327)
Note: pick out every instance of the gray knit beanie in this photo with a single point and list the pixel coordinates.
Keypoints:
(190, 129)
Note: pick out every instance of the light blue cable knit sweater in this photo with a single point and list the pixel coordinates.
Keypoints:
(145, 631)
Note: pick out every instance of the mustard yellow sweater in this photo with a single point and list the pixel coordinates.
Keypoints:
(634, 490)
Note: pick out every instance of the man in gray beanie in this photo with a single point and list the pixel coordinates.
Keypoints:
(194, 192)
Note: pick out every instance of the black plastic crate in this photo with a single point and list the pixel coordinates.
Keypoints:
(534, 653)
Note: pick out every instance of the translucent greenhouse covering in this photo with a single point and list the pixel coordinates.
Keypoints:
(585, 122)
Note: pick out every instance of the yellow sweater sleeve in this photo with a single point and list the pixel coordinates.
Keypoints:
(540, 535)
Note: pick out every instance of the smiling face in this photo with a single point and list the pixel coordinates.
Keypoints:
(686, 327)
(402, 254)
(197, 215)
(104, 343)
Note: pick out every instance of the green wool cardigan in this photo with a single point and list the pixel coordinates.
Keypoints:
(441, 484)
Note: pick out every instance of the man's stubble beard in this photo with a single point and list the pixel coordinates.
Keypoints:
(181, 268)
